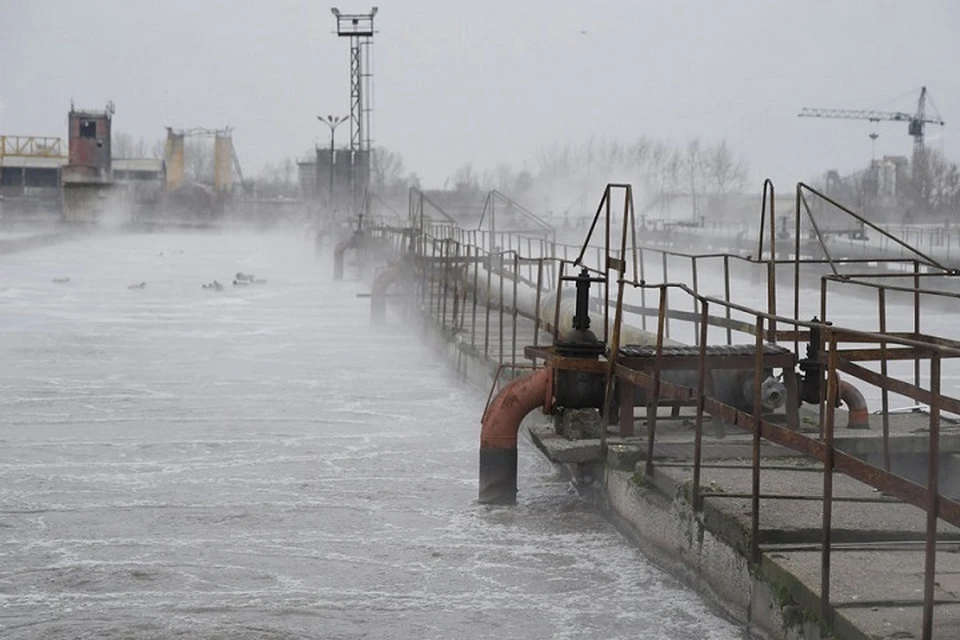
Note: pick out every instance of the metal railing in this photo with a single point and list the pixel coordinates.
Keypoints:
(468, 281)
(31, 146)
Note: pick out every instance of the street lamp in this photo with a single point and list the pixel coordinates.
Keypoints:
(333, 123)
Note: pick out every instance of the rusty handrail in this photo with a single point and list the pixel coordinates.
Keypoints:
(763, 327)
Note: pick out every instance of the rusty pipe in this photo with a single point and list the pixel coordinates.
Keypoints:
(858, 417)
(378, 293)
(498, 434)
(350, 243)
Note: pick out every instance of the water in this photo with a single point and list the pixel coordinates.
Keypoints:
(261, 463)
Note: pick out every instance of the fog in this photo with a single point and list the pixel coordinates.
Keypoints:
(260, 462)
(253, 458)
(494, 82)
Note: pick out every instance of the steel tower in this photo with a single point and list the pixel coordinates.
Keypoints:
(359, 28)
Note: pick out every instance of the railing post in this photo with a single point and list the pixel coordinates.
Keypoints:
(500, 332)
(726, 297)
(666, 280)
(757, 419)
(455, 312)
(487, 303)
(442, 308)
(933, 499)
(433, 266)
(696, 291)
(556, 307)
(827, 532)
(884, 392)
(516, 282)
(916, 318)
(473, 313)
(701, 391)
(643, 290)
(536, 315)
(653, 398)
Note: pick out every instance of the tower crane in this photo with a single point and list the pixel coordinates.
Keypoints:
(916, 122)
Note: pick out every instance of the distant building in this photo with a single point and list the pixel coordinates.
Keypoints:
(329, 176)
(86, 179)
(30, 173)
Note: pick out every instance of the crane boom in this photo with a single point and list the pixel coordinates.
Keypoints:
(859, 114)
(915, 123)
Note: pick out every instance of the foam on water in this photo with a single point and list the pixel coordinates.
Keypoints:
(261, 463)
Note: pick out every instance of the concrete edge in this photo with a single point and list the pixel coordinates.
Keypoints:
(708, 552)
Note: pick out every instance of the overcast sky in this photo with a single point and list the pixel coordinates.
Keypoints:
(492, 81)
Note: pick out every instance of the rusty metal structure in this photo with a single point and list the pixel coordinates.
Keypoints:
(30, 167)
(468, 282)
(31, 147)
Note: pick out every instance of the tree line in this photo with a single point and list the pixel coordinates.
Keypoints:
(702, 173)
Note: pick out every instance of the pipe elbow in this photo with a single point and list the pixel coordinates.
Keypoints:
(342, 247)
(501, 421)
(383, 280)
(338, 252)
(858, 417)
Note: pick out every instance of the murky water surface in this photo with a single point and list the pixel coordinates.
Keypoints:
(261, 463)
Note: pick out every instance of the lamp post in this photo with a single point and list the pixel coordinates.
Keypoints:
(333, 123)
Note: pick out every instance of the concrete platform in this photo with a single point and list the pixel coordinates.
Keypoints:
(675, 438)
(877, 553)
(877, 556)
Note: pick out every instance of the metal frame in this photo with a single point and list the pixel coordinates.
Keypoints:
(448, 259)
(31, 147)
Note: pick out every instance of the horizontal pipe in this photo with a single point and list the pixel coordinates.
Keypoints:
(731, 386)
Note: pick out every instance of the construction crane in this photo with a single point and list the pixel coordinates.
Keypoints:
(916, 122)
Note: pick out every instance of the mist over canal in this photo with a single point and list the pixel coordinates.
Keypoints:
(259, 462)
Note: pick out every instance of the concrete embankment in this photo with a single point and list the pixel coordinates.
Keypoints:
(878, 554)
(649, 515)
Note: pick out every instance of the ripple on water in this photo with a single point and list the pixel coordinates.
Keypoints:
(261, 464)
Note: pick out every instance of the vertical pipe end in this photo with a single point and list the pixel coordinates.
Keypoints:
(498, 476)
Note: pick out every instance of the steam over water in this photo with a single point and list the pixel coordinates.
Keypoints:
(261, 463)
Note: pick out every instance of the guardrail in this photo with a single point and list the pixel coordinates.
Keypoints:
(468, 280)
(31, 146)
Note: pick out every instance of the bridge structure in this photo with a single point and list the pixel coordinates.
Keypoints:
(677, 357)
(30, 166)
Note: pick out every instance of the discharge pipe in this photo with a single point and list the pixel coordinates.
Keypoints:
(858, 416)
(378, 293)
(498, 434)
(353, 242)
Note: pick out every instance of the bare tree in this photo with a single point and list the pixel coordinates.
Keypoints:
(198, 154)
(703, 172)
(726, 172)
(159, 149)
(386, 170)
(123, 145)
(943, 183)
